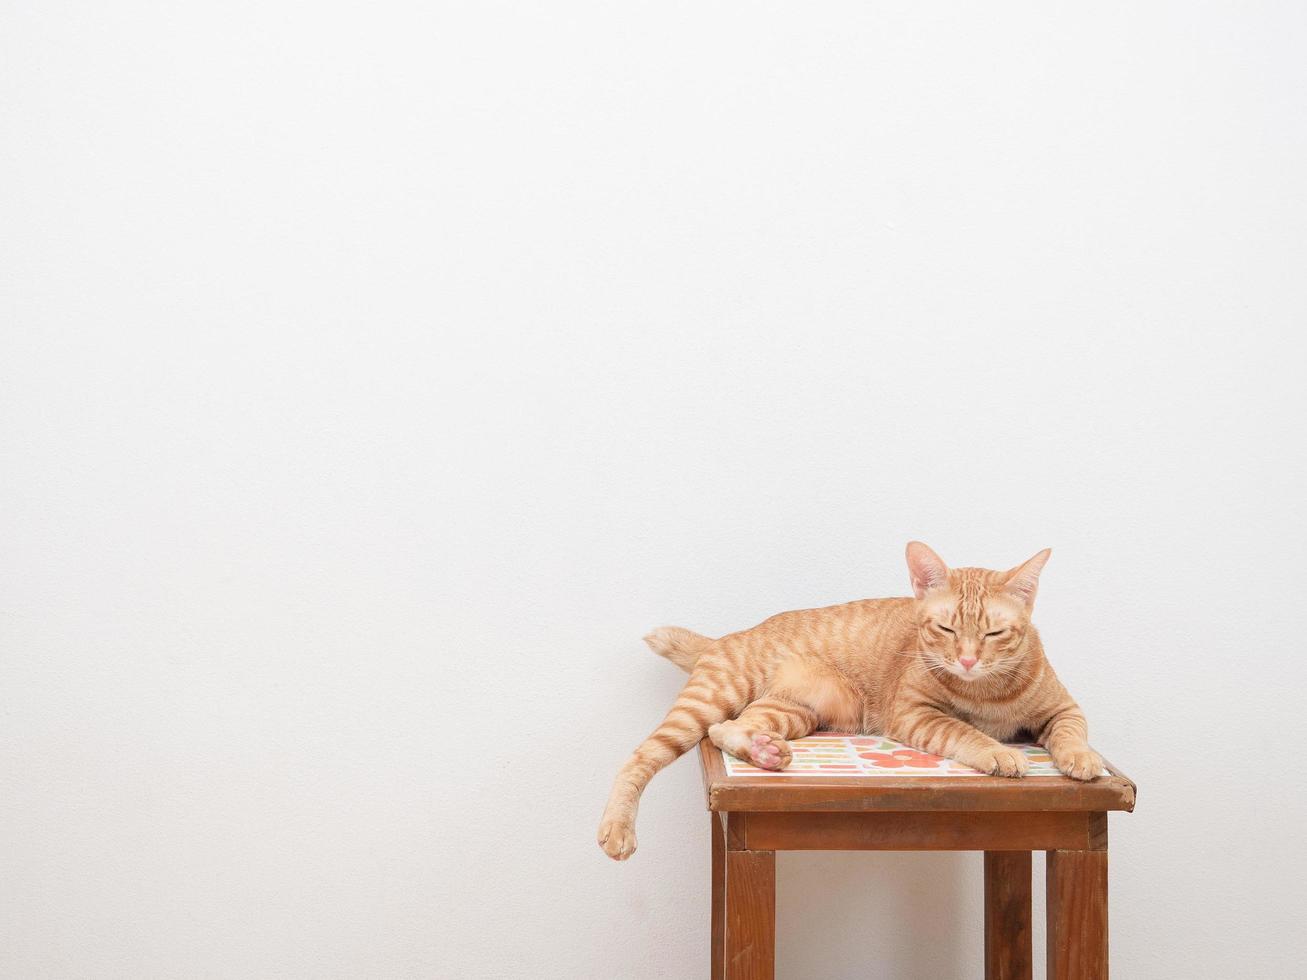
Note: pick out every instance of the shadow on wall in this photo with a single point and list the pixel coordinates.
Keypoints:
(833, 899)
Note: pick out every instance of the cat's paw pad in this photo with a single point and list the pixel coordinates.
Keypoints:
(1004, 761)
(1083, 764)
(617, 838)
(767, 750)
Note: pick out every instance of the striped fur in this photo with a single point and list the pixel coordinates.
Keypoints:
(892, 666)
(681, 646)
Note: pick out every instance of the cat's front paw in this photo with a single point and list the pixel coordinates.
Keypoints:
(1083, 764)
(617, 838)
(1002, 761)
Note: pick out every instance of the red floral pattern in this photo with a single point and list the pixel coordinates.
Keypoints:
(852, 754)
(902, 757)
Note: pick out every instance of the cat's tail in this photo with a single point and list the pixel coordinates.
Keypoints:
(681, 646)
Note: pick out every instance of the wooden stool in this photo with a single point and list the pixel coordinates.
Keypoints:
(852, 793)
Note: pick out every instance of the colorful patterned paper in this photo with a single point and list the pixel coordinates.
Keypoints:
(834, 754)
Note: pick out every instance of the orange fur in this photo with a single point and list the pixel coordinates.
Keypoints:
(892, 666)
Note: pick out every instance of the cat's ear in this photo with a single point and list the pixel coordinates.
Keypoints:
(1023, 581)
(927, 569)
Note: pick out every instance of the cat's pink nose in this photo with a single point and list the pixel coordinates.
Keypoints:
(967, 662)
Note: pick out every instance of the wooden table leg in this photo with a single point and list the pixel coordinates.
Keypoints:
(1077, 915)
(750, 942)
(718, 970)
(1008, 936)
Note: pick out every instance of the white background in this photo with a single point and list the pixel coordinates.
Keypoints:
(374, 375)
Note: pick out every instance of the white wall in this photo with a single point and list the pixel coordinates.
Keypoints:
(374, 375)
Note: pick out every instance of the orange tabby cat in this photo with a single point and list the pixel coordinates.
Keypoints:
(955, 671)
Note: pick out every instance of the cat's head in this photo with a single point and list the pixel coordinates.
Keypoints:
(971, 621)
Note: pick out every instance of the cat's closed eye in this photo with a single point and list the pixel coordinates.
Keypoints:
(943, 627)
(997, 632)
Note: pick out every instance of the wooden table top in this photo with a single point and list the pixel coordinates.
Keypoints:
(835, 772)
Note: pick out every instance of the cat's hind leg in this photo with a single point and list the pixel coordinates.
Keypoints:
(803, 695)
(712, 694)
(760, 735)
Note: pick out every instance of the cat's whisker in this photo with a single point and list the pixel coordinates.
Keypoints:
(1018, 668)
